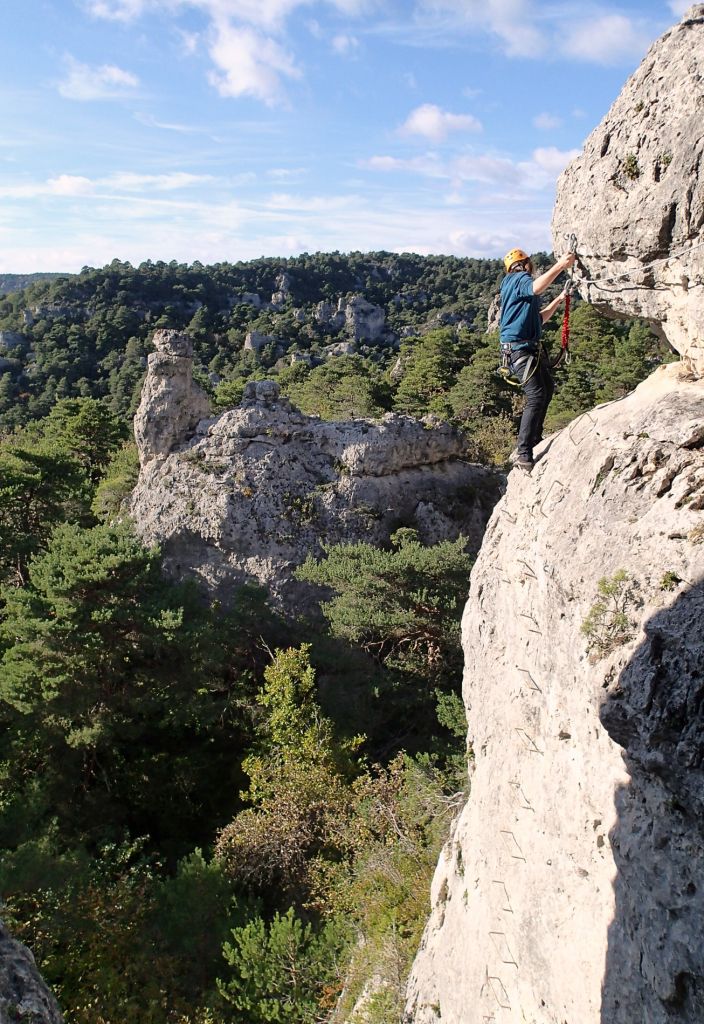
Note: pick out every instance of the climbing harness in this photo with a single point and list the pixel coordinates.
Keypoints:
(506, 373)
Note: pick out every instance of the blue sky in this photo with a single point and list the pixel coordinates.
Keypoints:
(219, 130)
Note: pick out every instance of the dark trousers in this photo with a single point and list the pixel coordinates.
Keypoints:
(538, 387)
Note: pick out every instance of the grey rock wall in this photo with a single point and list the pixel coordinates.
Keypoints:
(24, 998)
(249, 494)
(635, 196)
(572, 888)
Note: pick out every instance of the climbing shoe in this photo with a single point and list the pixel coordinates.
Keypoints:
(525, 464)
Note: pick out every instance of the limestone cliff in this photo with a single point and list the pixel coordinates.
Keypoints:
(247, 495)
(572, 889)
(635, 197)
(24, 998)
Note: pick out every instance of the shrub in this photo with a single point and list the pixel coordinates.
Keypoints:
(608, 624)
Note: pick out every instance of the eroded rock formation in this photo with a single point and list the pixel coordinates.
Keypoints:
(250, 493)
(24, 998)
(172, 404)
(635, 197)
(572, 888)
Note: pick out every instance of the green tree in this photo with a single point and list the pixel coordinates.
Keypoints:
(282, 972)
(298, 788)
(402, 607)
(83, 427)
(119, 695)
(430, 365)
(40, 487)
(343, 387)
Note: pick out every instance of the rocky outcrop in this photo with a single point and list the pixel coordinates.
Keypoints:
(172, 404)
(255, 341)
(24, 998)
(635, 197)
(572, 888)
(361, 320)
(249, 494)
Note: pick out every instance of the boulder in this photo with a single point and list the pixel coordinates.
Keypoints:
(24, 997)
(635, 196)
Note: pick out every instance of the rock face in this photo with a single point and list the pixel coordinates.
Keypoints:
(362, 320)
(172, 404)
(24, 998)
(572, 888)
(250, 493)
(635, 197)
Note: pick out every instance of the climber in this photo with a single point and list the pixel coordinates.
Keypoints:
(521, 323)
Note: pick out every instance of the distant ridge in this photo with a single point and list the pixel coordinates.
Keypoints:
(16, 282)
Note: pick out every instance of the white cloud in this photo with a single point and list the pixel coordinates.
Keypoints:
(70, 185)
(115, 10)
(344, 44)
(127, 181)
(679, 7)
(488, 169)
(608, 39)
(433, 123)
(319, 204)
(545, 166)
(546, 122)
(428, 166)
(249, 64)
(286, 173)
(512, 21)
(244, 38)
(83, 82)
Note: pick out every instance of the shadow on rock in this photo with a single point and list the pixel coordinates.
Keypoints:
(655, 958)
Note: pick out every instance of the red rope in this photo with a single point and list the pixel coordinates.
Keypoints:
(566, 323)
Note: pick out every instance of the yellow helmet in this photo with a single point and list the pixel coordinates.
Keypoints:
(514, 256)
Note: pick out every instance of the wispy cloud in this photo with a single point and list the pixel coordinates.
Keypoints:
(115, 10)
(679, 7)
(513, 22)
(608, 39)
(344, 44)
(525, 29)
(287, 174)
(83, 82)
(547, 122)
(430, 122)
(244, 38)
(185, 129)
(489, 169)
(72, 185)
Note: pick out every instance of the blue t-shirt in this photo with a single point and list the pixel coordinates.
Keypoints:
(521, 323)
